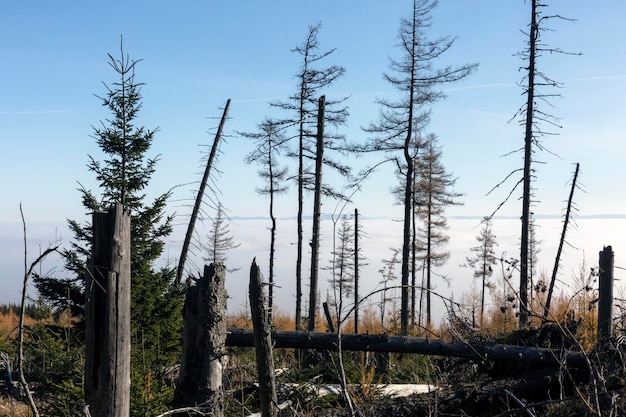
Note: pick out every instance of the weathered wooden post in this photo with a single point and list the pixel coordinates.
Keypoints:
(107, 316)
(204, 344)
(262, 344)
(605, 293)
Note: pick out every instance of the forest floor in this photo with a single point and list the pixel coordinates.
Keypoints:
(468, 389)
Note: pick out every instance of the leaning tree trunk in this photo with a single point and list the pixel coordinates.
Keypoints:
(557, 260)
(196, 207)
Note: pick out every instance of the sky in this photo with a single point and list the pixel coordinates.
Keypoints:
(197, 54)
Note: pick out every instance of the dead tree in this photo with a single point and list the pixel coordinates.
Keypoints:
(419, 82)
(284, 339)
(557, 260)
(262, 344)
(531, 117)
(356, 271)
(204, 338)
(107, 315)
(605, 293)
(317, 207)
(200, 196)
(20, 351)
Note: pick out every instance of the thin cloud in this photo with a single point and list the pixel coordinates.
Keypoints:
(34, 112)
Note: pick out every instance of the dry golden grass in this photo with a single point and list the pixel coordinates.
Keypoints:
(12, 408)
(9, 323)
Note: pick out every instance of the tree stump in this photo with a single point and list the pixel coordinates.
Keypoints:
(204, 343)
(107, 316)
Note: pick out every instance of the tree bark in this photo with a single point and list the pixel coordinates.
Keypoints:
(403, 344)
(107, 316)
(204, 338)
(262, 344)
(356, 271)
(528, 138)
(605, 293)
(317, 208)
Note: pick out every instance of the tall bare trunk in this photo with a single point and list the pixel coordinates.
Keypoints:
(528, 139)
(315, 244)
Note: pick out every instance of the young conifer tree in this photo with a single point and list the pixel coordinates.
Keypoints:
(434, 191)
(123, 175)
(483, 260)
(219, 239)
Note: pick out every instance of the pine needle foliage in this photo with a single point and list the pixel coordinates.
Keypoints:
(123, 175)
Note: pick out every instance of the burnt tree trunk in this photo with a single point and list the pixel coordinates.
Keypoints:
(317, 208)
(107, 316)
(262, 344)
(204, 343)
(605, 293)
(356, 271)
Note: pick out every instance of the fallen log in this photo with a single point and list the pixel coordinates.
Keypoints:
(405, 344)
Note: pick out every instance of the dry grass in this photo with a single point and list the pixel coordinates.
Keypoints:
(9, 323)
(12, 408)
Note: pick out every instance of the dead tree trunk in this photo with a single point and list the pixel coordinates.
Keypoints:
(196, 207)
(605, 293)
(356, 271)
(528, 142)
(204, 343)
(107, 316)
(405, 344)
(557, 260)
(262, 344)
(317, 207)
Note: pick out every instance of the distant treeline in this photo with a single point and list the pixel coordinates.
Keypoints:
(32, 310)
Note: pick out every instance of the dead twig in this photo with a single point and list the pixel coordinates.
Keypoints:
(20, 353)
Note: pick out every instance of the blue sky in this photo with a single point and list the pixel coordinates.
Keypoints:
(197, 54)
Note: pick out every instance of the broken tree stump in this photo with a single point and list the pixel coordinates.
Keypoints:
(262, 344)
(605, 293)
(107, 316)
(204, 343)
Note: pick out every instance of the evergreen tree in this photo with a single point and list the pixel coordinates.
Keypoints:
(219, 241)
(483, 260)
(123, 176)
(418, 82)
(342, 266)
(434, 189)
(388, 272)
